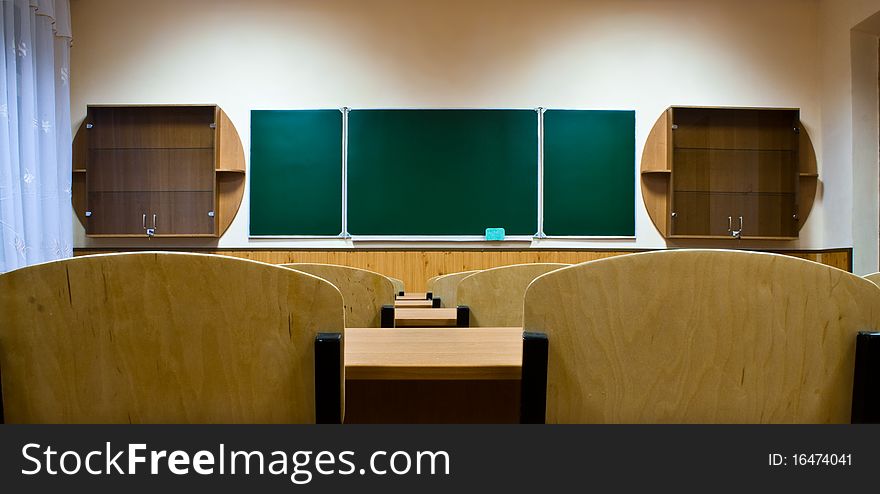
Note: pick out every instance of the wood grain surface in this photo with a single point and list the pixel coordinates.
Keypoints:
(445, 287)
(432, 353)
(410, 317)
(429, 285)
(699, 336)
(398, 285)
(873, 278)
(495, 296)
(363, 292)
(416, 266)
(423, 304)
(161, 338)
(413, 296)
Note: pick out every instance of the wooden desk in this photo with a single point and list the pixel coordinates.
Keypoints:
(432, 375)
(422, 318)
(413, 296)
(430, 353)
(416, 304)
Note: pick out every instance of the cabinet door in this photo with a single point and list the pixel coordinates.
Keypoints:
(770, 216)
(735, 163)
(183, 213)
(117, 213)
(151, 167)
(182, 183)
(704, 214)
(151, 127)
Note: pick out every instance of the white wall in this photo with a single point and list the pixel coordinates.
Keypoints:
(865, 152)
(848, 97)
(593, 54)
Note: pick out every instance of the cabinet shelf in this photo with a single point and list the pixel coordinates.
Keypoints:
(156, 148)
(742, 150)
(728, 237)
(735, 193)
(151, 191)
(158, 235)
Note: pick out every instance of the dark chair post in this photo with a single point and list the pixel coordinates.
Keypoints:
(328, 378)
(429, 295)
(866, 380)
(400, 294)
(533, 387)
(435, 302)
(387, 316)
(463, 316)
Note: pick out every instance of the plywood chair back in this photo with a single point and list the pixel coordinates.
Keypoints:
(397, 284)
(700, 336)
(162, 338)
(445, 287)
(873, 278)
(495, 296)
(430, 284)
(363, 292)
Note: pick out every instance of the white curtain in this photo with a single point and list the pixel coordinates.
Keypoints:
(35, 139)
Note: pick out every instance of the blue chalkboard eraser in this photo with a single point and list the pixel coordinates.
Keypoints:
(495, 234)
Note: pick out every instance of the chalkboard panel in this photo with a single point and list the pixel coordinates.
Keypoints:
(442, 172)
(589, 173)
(296, 172)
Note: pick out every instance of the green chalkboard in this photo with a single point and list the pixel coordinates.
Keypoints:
(442, 172)
(296, 172)
(589, 173)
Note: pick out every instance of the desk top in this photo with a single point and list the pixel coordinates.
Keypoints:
(418, 317)
(413, 296)
(433, 353)
(424, 304)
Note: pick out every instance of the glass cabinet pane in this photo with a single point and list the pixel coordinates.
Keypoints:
(151, 167)
(122, 213)
(734, 163)
(181, 213)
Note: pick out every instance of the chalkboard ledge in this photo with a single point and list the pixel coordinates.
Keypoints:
(479, 239)
(439, 238)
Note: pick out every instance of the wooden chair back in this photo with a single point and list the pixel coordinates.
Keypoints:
(495, 296)
(162, 338)
(700, 336)
(398, 285)
(430, 284)
(363, 292)
(873, 278)
(444, 287)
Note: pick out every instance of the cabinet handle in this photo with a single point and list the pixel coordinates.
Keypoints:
(156, 216)
(144, 221)
(735, 233)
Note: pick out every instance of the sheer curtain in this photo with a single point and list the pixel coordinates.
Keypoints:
(35, 138)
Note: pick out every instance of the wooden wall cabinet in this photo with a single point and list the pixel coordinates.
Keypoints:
(715, 173)
(157, 171)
